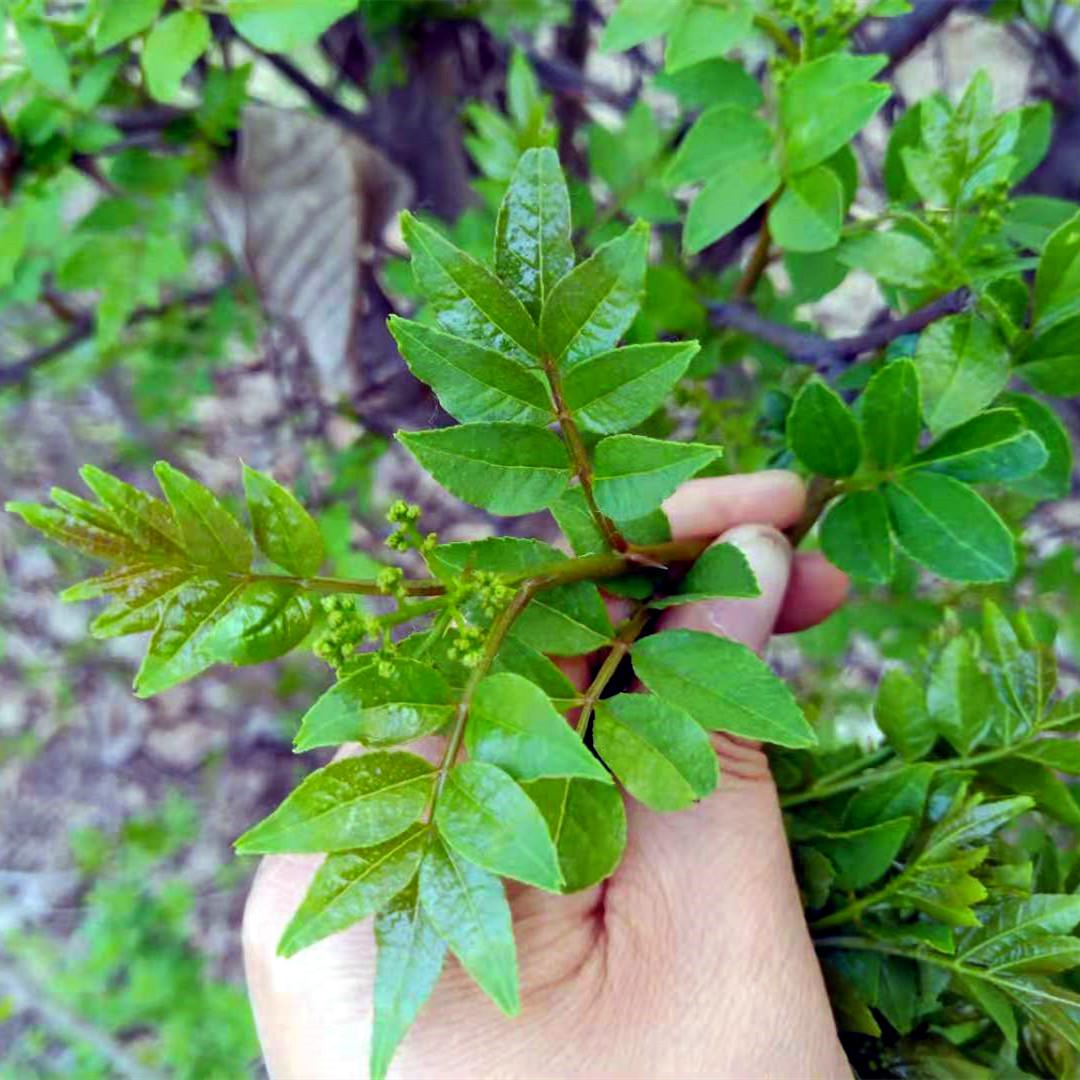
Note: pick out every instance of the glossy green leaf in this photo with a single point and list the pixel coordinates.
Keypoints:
(498, 554)
(721, 571)
(118, 22)
(212, 537)
(282, 26)
(727, 200)
(513, 724)
(591, 308)
(944, 525)
(809, 212)
(501, 467)
(825, 103)
(891, 414)
(1051, 363)
(618, 389)
(351, 885)
(723, 686)
(469, 301)
(519, 658)
(660, 753)
(992, 447)
(74, 532)
(170, 50)
(634, 474)
(1016, 922)
(409, 962)
(147, 521)
(1054, 479)
(900, 712)
(285, 532)
(822, 432)
(472, 382)
(468, 908)
(587, 821)
(486, 818)
(704, 30)
(1015, 671)
(532, 235)
(723, 138)
(566, 620)
(963, 365)
(264, 620)
(855, 536)
(353, 803)
(378, 709)
(1057, 279)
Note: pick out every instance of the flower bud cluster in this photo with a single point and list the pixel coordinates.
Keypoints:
(347, 627)
(406, 535)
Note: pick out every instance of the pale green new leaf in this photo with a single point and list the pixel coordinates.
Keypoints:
(532, 234)
(170, 50)
(723, 139)
(513, 724)
(351, 885)
(959, 696)
(900, 712)
(468, 908)
(894, 258)
(635, 21)
(353, 803)
(809, 212)
(727, 200)
(634, 474)
(722, 684)
(285, 532)
(147, 521)
(119, 21)
(486, 817)
(284, 25)
(378, 709)
(660, 753)
(944, 525)
(505, 468)
(706, 29)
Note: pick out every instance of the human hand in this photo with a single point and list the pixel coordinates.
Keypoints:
(693, 959)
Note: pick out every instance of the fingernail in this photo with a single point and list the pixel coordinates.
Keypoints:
(750, 621)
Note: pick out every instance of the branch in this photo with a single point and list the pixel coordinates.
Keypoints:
(806, 348)
(903, 35)
(83, 328)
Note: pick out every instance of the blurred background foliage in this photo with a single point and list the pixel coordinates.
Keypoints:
(198, 251)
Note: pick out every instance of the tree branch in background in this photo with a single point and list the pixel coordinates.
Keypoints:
(82, 328)
(806, 348)
(903, 35)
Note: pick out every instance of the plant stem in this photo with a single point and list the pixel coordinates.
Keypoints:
(777, 35)
(579, 455)
(363, 587)
(759, 260)
(818, 494)
(629, 633)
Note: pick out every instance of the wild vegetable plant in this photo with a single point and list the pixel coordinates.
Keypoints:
(938, 865)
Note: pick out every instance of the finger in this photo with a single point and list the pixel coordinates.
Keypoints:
(816, 590)
(712, 504)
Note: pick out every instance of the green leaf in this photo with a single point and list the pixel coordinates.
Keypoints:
(505, 468)
(660, 753)
(1015, 923)
(635, 21)
(74, 532)
(723, 686)
(894, 258)
(285, 532)
(727, 200)
(704, 30)
(408, 965)
(519, 658)
(822, 432)
(264, 620)
(721, 571)
(963, 365)
(351, 885)
(944, 525)
(513, 724)
(900, 712)
(1054, 479)
(1057, 280)
(855, 536)
(472, 382)
(590, 309)
(724, 138)
(861, 856)
(1015, 671)
(486, 817)
(825, 103)
(212, 537)
(468, 908)
(176, 651)
(809, 212)
(992, 447)
(566, 620)
(1051, 363)
(1028, 778)
(469, 301)
(498, 554)
(118, 22)
(891, 414)
(376, 709)
(170, 50)
(284, 25)
(634, 474)
(619, 389)
(903, 794)
(710, 82)
(353, 803)
(147, 521)
(959, 696)
(45, 60)
(994, 1003)
(1062, 755)
(587, 821)
(532, 235)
